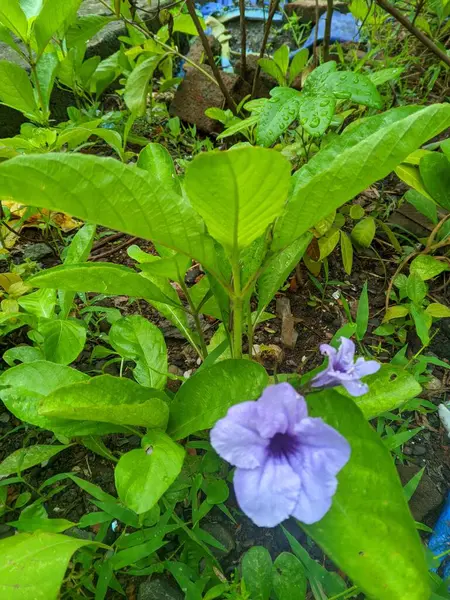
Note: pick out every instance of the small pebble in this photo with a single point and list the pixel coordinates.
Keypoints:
(419, 450)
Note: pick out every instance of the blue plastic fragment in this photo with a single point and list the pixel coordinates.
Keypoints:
(344, 28)
(439, 541)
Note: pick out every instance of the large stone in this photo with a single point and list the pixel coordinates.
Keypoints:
(306, 9)
(426, 498)
(197, 92)
(158, 589)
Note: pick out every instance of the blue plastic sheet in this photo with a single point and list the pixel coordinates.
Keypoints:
(344, 28)
(439, 541)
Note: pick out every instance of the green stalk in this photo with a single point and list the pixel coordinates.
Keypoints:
(238, 306)
(194, 312)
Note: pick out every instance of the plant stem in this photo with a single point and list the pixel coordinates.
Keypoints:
(238, 307)
(249, 328)
(273, 8)
(203, 351)
(316, 33)
(243, 39)
(212, 63)
(327, 33)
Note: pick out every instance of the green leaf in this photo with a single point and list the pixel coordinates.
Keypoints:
(216, 490)
(136, 88)
(385, 75)
(435, 172)
(207, 395)
(427, 267)
(398, 439)
(108, 399)
(25, 458)
(105, 278)
(122, 198)
(281, 58)
(357, 212)
(12, 15)
(31, 8)
(77, 252)
(416, 288)
(16, 90)
(41, 303)
(24, 387)
(362, 314)
(289, 578)
(411, 176)
(357, 87)
(396, 312)
(364, 232)
(361, 155)
(23, 354)
(35, 562)
(257, 572)
(316, 111)
(277, 268)
(54, 19)
(328, 243)
(85, 28)
(137, 339)
(158, 163)
(424, 205)
(358, 531)
(269, 66)
(63, 340)
(422, 321)
(435, 309)
(185, 24)
(40, 524)
(277, 114)
(46, 74)
(238, 193)
(410, 487)
(143, 476)
(298, 64)
(389, 388)
(346, 252)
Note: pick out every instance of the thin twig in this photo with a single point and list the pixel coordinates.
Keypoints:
(413, 29)
(273, 9)
(107, 240)
(327, 33)
(112, 251)
(243, 39)
(212, 63)
(316, 35)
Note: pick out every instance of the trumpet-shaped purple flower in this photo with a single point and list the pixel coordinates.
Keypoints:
(343, 370)
(286, 461)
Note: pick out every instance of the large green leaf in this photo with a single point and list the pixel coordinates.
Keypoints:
(359, 157)
(137, 339)
(369, 527)
(108, 399)
(24, 387)
(358, 87)
(257, 572)
(435, 172)
(389, 388)
(136, 88)
(105, 278)
(64, 339)
(276, 116)
(25, 458)
(33, 565)
(12, 15)
(16, 90)
(142, 476)
(277, 268)
(207, 396)
(121, 197)
(158, 163)
(316, 111)
(289, 578)
(54, 18)
(85, 28)
(238, 193)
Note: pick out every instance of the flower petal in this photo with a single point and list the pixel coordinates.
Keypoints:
(325, 378)
(328, 350)
(236, 439)
(267, 494)
(366, 367)
(355, 387)
(345, 354)
(315, 497)
(279, 409)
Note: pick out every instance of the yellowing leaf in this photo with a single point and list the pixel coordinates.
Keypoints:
(395, 312)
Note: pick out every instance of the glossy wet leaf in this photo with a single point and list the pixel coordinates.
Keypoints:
(142, 476)
(363, 154)
(257, 573)
(276, 116)
(25, 458)
(108, 399)
(207, 395)
(105, 278)
(64, 339)
(238, 193)
(316, 111)
(138, 339)
(36, 561)
(289, 578)
(435, 172)
(355, 86)
(365, 533)
(389, 388)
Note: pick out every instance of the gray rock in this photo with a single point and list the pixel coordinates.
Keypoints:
(80, 534)
(6, 531)
(419, 450)
(158, 589)
(37, 251)
(426, 498)
(222, 535)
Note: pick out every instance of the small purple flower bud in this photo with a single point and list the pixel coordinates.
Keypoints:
(343, 370)
(286, 461)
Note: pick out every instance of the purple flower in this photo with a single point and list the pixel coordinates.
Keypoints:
(286, 461)
(343, 370)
